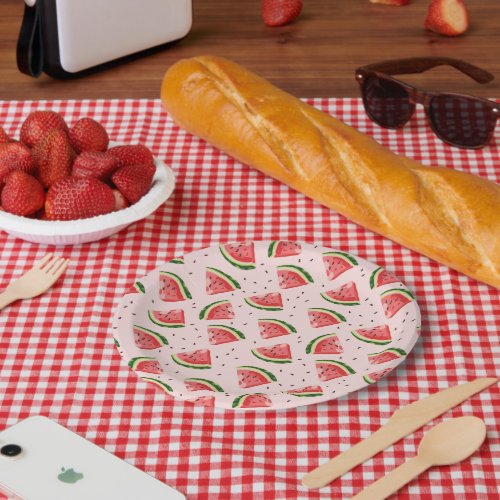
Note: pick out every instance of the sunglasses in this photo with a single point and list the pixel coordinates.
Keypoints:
(459, 120)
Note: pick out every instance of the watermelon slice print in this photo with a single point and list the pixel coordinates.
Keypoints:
(199, 359)
(395, 299)
(176, 260)
(173, 288)
(270, 328)
(292, 276)
(283, 249)
(319, 317)
(386, 356)
(380, 335)
(250, 376)
(241, 255)
(137, 287)
(257, 400)
(202, 384)
(147, 339)
(168, 319)
(221, 334)
(203, 401)
(329, 369)
(346, 295)
(219, 282)
(221, 309)
(381, 277)
(279, 353)
(337, 263)
(371, 378)
(162, 385)
(268, 302)
(325, 344)
(310, 391)
(143, 364)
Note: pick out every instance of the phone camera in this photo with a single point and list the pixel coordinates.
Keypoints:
(10, 450)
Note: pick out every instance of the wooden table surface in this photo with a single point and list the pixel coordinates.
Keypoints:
(315, 56)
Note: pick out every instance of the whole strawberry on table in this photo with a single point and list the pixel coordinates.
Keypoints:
(56, 172)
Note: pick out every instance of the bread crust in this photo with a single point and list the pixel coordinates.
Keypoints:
(445, 214)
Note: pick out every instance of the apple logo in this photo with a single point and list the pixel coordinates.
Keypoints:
(69, 476)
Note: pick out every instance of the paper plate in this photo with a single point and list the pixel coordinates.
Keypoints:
(265, 325)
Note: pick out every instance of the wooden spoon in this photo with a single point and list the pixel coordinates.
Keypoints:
(449, 442)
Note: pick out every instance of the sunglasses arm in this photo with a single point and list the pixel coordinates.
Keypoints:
(421, 64)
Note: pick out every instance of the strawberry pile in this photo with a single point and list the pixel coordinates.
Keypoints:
(56, 172)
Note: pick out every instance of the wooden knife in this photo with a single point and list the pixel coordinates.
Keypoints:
(403, 421)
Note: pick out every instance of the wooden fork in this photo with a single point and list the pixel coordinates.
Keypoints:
(36, 281)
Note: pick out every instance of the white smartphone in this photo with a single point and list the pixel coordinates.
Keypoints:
(42, 460)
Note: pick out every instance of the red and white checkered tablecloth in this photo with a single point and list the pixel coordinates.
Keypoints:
(57, 355)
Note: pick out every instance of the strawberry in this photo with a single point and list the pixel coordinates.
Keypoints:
(133, 181)
(447, 17)
(22, 194)
(3, 136)
(38, 124)
(280, 12)
(392, 2)
(54, 156)
(121, 201)
(94, 164)
(15, 156)
(73, 198)
(133, 154)
(88, 135)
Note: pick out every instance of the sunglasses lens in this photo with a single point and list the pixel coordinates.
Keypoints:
(460, 121)
(386, 102)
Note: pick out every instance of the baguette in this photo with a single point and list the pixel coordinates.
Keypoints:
(445, 214)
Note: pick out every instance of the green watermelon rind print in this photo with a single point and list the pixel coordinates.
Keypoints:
(160, 338)
(343, 255)
(347, 369)
(310, 347)
(249, 301)
(396, 291)
(287, 326)
(180, 283)
(246, 266)
(262, 371)
(230, 329)
(206, 310)
(261, 356)
(214, 387)
(305, 394)
(339, 302)
(139, 287)
(161, 323)
(400, 353)
(159, 383)
(297, 270)
(369, 340)
(335, 314)
(139, 359)
(176, 260)
(374, 277)
(240, 400)
(272, 248)
(225, 277)
(179, 361)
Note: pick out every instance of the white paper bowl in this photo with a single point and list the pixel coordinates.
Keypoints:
(79, 231)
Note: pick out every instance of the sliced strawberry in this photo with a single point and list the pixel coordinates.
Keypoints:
(133, 154)
(38, 123)
(447, 17)
(133, 181)
(54, 156)
(73, 198)
(22, 194)
(15, 156)
(94, 164)
(88, 135)
(280, 12)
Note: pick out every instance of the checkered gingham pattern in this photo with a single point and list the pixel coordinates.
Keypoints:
(58, 358)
